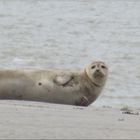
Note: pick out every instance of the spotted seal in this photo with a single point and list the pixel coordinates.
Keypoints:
(73, 87)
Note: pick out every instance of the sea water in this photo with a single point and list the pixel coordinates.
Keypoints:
(73, 33)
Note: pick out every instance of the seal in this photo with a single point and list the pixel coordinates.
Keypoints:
(73, 87)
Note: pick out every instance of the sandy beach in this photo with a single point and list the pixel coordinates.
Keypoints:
(70, 34)
(36, 120)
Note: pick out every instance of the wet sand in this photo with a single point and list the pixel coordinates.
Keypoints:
(36, 120)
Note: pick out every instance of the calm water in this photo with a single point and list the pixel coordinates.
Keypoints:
(71, 34)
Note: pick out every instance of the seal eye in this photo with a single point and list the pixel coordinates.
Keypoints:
(93, 67)
(103, 66)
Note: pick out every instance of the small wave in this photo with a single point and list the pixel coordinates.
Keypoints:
(20, 61)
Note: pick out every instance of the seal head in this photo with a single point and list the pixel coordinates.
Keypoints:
(97, 72)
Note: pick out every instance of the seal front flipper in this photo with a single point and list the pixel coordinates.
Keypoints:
(83, 101)
(63, 80)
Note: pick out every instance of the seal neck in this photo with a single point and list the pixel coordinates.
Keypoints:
(90, 79)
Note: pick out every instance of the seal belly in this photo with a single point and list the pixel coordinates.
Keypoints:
(23, 88)
(13, 88)
(48, 91)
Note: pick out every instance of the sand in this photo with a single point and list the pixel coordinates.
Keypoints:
(36, 120)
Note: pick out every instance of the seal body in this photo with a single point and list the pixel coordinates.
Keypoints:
(54, 86)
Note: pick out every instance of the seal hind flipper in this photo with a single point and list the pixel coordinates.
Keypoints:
(63, 80)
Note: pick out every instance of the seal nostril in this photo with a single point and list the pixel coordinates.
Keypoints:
(97, 70)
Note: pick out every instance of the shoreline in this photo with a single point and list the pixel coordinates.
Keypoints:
(37, 120)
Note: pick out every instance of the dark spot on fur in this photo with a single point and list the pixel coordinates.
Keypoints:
(19, 97)
(39, 83)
